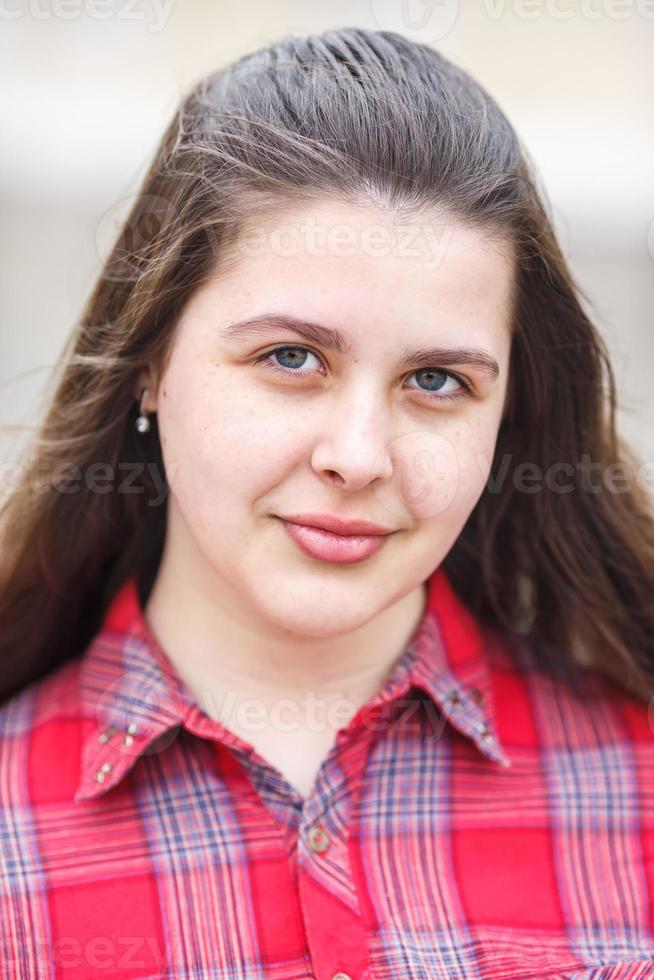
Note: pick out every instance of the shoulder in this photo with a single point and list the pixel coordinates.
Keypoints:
(596, 721)
(40, 736)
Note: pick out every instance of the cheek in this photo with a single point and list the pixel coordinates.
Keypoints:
(440, 475)
(473, 447)
(218, 438)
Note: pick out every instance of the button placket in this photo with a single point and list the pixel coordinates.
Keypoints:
(327, 885)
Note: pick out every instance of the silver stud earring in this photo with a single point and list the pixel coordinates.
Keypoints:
(143, 422)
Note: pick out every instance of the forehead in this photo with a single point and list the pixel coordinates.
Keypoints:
(334, 228)
(358, 265)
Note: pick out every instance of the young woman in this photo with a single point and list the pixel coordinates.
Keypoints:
(326, 613)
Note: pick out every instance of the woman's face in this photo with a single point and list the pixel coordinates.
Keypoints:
(373, 432)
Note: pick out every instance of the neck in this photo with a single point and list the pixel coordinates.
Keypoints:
(221, 650)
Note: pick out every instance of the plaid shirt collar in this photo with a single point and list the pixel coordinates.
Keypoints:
(132, 702)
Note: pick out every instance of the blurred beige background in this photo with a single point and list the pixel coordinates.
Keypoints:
(87, 87)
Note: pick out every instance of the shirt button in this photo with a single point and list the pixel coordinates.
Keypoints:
(131, 732)
(105, 767)
(485, 731)
(341, 976)
(319, 842)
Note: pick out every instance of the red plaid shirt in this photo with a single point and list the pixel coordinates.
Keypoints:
(474, 819)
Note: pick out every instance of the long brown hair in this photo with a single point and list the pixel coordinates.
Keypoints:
(367, 116)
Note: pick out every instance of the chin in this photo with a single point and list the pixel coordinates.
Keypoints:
(326, 621)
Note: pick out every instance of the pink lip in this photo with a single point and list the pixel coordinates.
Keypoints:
(326, 546)
(337, 525)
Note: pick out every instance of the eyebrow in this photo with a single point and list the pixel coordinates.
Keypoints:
(334, 340)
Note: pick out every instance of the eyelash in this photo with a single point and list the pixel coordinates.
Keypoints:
(265, 359)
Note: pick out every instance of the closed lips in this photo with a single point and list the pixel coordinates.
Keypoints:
(338, 525)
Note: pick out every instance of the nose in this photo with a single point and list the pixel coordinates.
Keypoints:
(352, 451)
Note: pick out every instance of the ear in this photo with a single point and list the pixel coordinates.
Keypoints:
(146, 379)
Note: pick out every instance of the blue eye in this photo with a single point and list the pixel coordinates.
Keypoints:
(296, 358)
(439, 379)
(298, 355)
